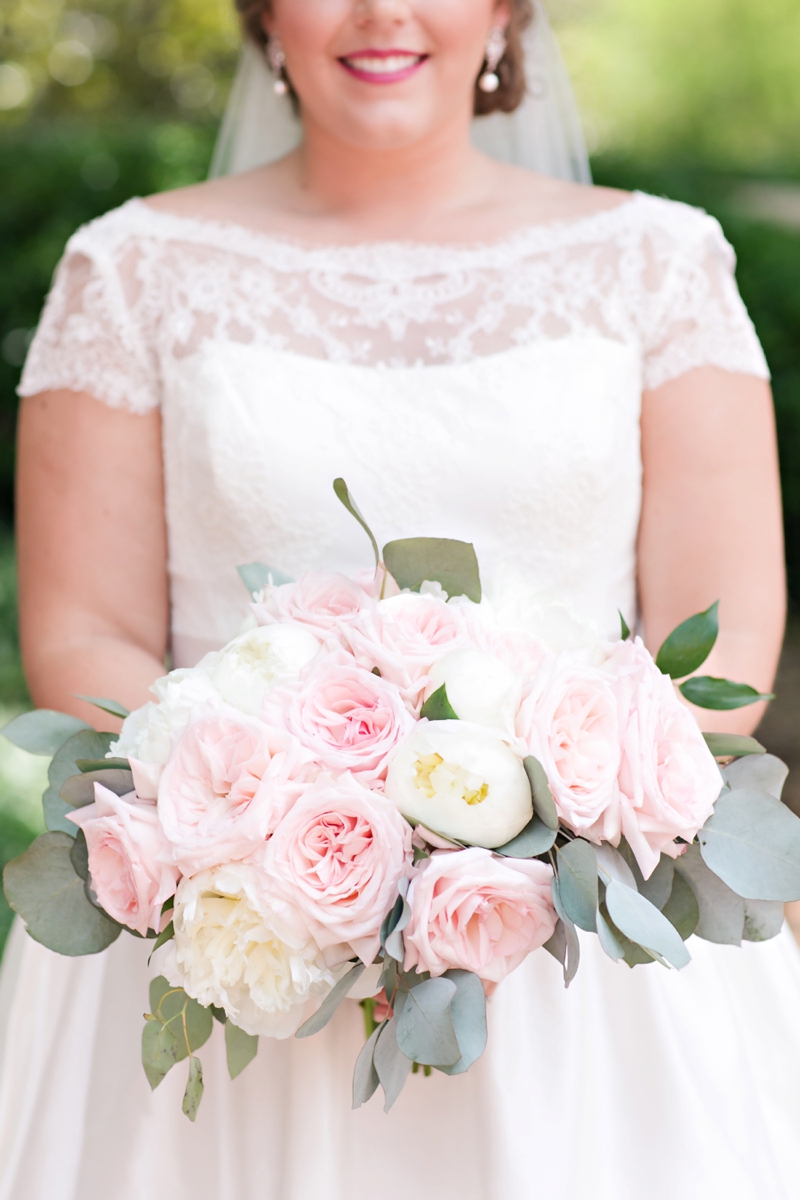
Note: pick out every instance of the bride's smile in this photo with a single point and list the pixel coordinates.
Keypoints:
(382, 66)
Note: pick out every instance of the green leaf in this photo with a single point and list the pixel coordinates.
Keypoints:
(534, 840)
(112, 707)
(394, 923)
(391, 1064)
(425, 1032)
(437, 707)
(624, 630)
(557, 943)
(641, 921)
(257, 576)
(613, 865)
(194, 1089)
(189, 1021)
(721, 695)
(87, 765)
(681, 908)
(764, 773)
(365, 1077)
(240, 1048)
(609, 940)
(688, 646)
(78, 790)
(454, 565)
(43, 731)
(218, 1014)
(732, 745)
(331, 1002)
(752, 842)
(572, 957)
(577, 883)
(721, 909)
(468, 1010)
(763, 920)
(343, 494)
(63, 767)
(43, 887)
(79, 856)
(159, 1051)
(617, 946)
(166, 935)
(544, 806)
(659, 887)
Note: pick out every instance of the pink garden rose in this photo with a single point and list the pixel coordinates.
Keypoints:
(668, 779)
(473, 911)
(338, 857)
(229, 781)
(318, 600)
(347, 718)
(404, 636)
(570, 723)
(129, 858)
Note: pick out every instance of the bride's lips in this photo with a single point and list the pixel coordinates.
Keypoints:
(382, 66)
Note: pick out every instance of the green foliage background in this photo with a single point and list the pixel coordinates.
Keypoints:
(106, 99)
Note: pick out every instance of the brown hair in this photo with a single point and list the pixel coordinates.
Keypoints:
(510, 70)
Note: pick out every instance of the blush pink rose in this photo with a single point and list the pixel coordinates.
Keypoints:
(668, 779)
(229, 781)
(318, 600)
(475, 912)
(347, 718)
(404, 636)
(338, 857)
(129, 858)
(570, 723)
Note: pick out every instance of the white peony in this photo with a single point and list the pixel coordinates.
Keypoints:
(259, 659)
(245, 952)
(462, 781)
(514, 604)
(480, 687)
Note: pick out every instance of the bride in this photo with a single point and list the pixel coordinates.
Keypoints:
(564, 375)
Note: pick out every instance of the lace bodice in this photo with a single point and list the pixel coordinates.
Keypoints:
(489, 393)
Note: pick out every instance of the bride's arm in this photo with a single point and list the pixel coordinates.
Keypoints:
(91, 542)
(711, 525)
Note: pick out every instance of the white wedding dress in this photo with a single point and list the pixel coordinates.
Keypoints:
(490, 393)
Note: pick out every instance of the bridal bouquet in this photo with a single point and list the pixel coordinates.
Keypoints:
(394, 790)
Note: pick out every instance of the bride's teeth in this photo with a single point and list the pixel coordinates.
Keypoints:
(384, 66)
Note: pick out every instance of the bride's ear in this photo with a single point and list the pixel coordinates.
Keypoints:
(502, 14)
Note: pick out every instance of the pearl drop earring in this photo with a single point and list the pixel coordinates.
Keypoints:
(277, 61)
(489, 81)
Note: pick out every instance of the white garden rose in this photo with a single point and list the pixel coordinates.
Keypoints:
(245, 952)
(260, 659)
(480, 687)
(462, 781)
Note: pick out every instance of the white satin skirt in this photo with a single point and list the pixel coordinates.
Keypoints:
(633, 1085)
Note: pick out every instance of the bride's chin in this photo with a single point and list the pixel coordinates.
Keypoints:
(379, 128)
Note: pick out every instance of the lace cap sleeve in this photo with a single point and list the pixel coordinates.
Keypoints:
(91, 336)
(695, 316)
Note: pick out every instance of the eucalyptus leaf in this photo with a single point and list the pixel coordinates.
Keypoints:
(194, 1089)
(763, 920)
(112, 707)
(425, 1032)
(331, 1002)
(87, 765)
(43, 731)
(608, 939)
(43, 887)
(78, 790)
(544, 806)
(612, 865)
(732, 745)
(752, 842)
(721, 909)
(573, 955)
(721, 695)
(614, 942)
(557, 943)
(63, 767)
(764, 773)
(365, 1077)
(453, 564)
(437, 707)
(240, 1048)
(394, 924)
(343, 494)
(257, 576)
(392, 1065)
(79, 856)
(468, 1010)
(688, 646)
(189, 1021)
(534, 840)
(681, 907)
(624, 627)
(159, 1051)
(577, 882)
(642, 922)
(166, 935)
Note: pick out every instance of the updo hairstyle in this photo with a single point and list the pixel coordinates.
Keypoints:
(510, 70)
